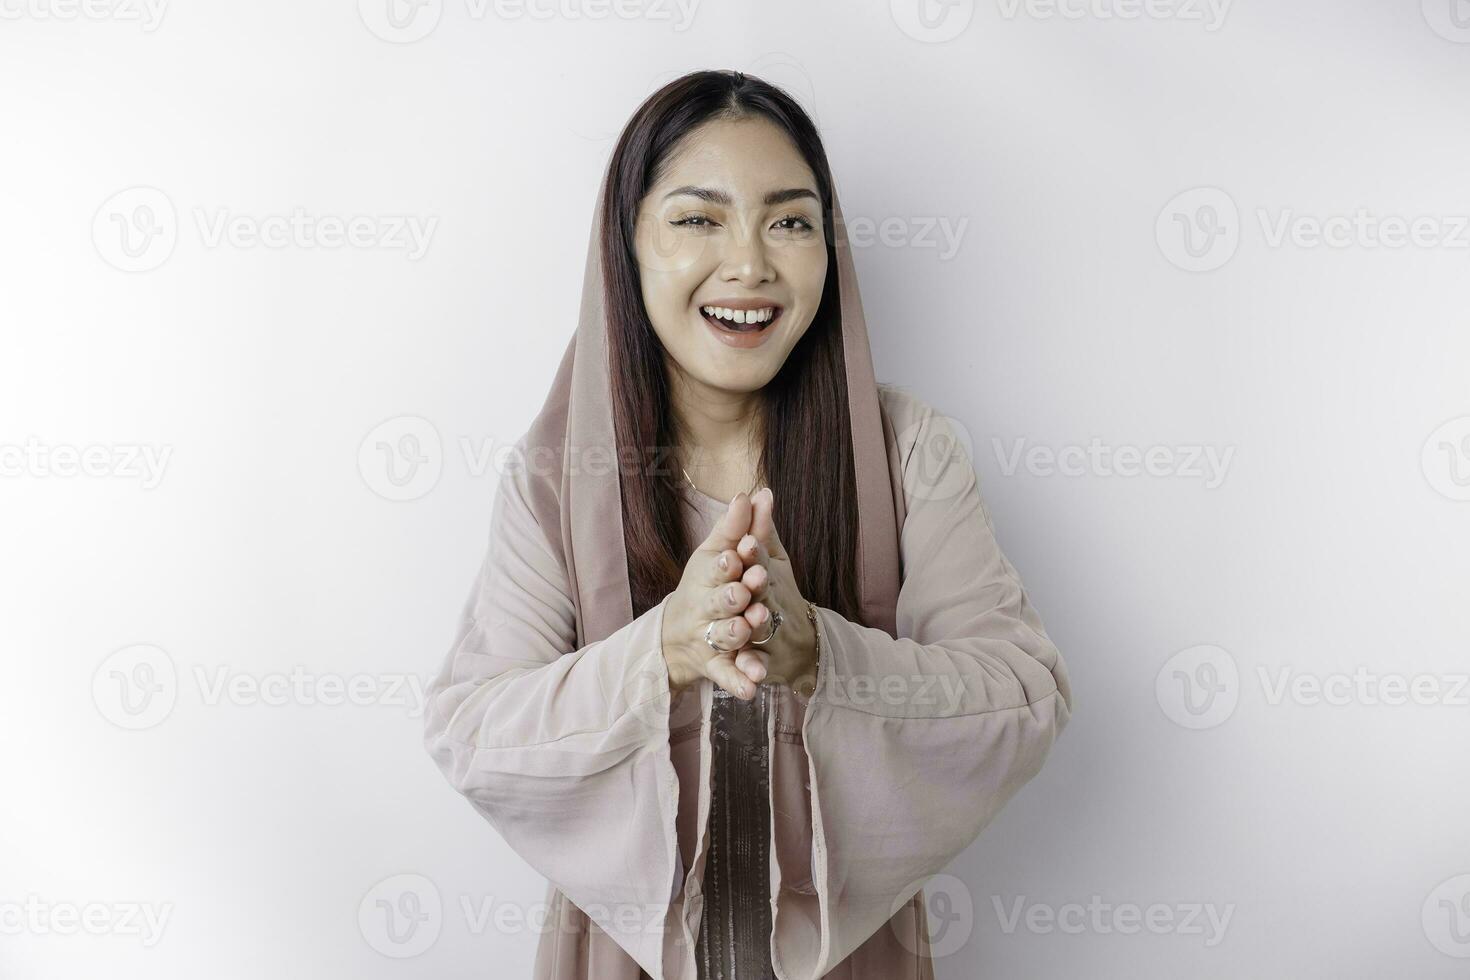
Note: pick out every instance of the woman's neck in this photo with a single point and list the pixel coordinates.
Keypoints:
(716, 433)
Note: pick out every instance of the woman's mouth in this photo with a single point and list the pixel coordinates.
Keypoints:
(741, 328)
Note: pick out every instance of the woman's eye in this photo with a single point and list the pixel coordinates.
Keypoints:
(792, 222)
(801, 224)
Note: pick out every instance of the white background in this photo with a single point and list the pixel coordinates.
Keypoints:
(1057, 141)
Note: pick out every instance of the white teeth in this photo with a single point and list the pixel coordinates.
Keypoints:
(741, 316)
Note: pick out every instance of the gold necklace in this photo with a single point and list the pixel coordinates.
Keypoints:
(749, 492)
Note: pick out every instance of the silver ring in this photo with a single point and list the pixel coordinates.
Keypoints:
(776, 620)
(710, 641)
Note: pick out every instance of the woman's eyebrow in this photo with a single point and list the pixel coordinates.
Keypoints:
(716, 196)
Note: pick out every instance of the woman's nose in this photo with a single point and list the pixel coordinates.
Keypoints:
(746, 259)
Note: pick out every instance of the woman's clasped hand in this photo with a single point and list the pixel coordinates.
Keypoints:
(736, 578)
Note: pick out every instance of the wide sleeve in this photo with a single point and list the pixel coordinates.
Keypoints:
(915, 743)
(563, 750)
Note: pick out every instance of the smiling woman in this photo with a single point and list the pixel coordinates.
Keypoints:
(677, 228)
(730, 231)
(738, 730)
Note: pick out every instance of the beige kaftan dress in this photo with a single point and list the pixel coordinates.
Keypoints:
(908, 747)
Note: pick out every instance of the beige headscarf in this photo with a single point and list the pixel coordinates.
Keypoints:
(586, 503)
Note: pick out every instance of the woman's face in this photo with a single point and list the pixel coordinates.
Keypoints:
(735, 222)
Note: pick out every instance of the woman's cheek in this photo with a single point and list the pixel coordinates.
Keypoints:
(667, 250)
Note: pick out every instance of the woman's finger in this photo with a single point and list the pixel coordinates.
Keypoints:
(752, 551)
(757, 615)
(754, 663)
(730, 633)
(734, 567)
(756, 578)
(726, 675)
(727, 601)
(763, 522)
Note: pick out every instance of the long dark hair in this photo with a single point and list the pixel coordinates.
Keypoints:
(806, 457)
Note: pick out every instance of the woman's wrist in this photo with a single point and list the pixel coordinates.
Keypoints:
(681, 675)
(796, 660)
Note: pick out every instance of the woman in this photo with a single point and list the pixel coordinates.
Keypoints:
(733, 751)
